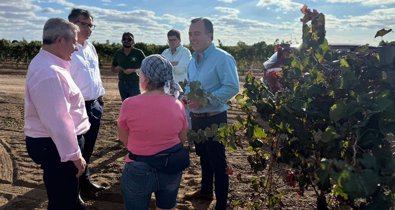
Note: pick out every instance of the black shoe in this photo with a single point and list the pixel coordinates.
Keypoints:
(81, 205)
(199, 195)
(88, 186)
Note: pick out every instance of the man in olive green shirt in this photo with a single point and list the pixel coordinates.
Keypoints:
(125, 62)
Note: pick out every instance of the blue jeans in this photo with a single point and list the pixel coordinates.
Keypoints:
(128, 88)
(139, 181)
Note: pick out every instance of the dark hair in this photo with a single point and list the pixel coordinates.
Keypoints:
(208, 25)
(174, 32)
(76, 13)
(127, 34)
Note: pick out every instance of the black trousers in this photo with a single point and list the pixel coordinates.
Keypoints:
(59, 177)
(94, 110)
(212, 160)
(128, 88)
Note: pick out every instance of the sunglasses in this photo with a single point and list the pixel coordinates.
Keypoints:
(127, 39)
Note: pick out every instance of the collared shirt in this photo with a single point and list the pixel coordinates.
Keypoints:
(54, 106)
(132, 60)
(217, 73)
(85, 71)
(182, 56)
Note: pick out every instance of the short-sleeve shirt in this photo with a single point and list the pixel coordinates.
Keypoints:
(132, 60)
(153, 122)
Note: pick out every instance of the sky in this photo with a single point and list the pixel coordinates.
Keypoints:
(248, 21)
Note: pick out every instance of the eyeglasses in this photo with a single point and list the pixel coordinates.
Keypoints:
(89, 25)
(138, 72)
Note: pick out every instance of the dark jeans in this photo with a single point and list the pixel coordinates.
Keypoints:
(212, 160)
(94, 110)
(59, 177)
(128, 88)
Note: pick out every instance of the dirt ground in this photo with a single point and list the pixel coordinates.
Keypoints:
(22, 188)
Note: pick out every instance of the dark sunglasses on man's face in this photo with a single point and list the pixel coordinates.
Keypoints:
(127, 39)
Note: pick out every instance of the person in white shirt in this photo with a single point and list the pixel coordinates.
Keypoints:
(55, 116)
(178, 55)
(86, 74)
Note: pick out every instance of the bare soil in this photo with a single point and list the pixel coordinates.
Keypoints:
(22, 188)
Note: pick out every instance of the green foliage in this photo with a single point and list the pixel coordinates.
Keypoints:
(198, 94)
(18, 52)
(331, 123)
(247, 56)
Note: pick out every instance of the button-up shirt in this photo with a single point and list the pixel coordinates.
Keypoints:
(54, 106)
(217, 73)
(182, 55)
(85, 71)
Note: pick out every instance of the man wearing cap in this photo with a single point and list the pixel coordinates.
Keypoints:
(86, 74)
(125, 62)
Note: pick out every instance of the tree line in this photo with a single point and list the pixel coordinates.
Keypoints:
(19, 53)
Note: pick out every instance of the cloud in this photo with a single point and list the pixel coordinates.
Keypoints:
(284, 5)
(376, 19)
(19, 15)
(18, 6)
(62, 2)
(230, 28)
(175, 19)
(49, 10)
(27, 17)
(227, 1)
(364, 2)
(228, 11)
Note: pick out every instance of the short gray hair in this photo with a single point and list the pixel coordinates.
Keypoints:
(58, 27)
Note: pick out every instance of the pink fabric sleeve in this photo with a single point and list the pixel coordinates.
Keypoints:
(53, 107)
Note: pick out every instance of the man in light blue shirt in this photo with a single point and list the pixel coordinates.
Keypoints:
(216, 70)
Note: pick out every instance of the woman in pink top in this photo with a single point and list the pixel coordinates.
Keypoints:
(148, 124)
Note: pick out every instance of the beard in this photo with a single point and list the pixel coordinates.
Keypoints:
(126, 45)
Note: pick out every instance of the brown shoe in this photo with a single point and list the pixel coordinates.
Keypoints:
(199, 195)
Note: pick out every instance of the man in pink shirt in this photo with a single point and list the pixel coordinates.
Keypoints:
(55, 115)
